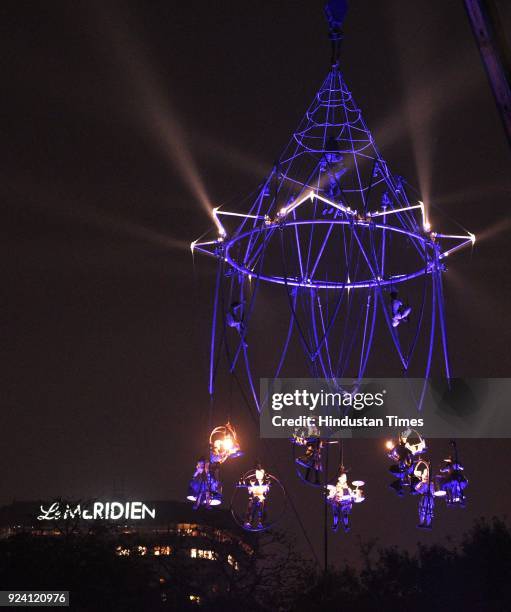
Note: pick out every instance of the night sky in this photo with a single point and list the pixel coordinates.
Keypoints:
(120, 121)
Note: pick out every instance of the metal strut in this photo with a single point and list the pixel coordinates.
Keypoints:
(485, 22)
(335, 13)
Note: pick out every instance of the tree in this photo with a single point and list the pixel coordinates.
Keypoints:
(474, 576)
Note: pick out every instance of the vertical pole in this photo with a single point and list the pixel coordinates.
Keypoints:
(441, 312)
(431, 499)
(489, 37)
(325, 526)
(431, 337)
(360, 368)
(382, 264)
(213, 332)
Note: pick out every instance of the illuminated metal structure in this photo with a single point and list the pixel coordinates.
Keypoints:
(334, 232)
(354, 259)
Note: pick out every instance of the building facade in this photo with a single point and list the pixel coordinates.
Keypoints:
(202, 552)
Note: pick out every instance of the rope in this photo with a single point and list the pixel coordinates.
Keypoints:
(272, 465)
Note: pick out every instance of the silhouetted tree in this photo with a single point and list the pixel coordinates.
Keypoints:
(476, 575)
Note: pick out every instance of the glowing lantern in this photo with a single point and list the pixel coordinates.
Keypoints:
(223, 443)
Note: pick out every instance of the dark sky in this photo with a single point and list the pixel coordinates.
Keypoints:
(107, 109)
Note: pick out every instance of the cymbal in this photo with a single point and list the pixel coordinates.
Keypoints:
(358, 483)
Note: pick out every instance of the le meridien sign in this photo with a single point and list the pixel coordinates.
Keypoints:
(112, 511)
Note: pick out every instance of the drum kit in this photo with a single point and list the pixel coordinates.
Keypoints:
(205, 490)
(357, 492)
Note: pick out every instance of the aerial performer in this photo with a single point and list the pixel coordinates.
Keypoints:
(205, 487)
(258, 489)
(311, 460)
(426, 490)
(403, 468)
(399, 311)
(235, 319)
(452, 480)
(406, 455)
(342, 497)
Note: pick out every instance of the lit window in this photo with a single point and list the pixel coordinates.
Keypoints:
(162, 551)
(142, 550)
(198, 553)
(187, 529)
(209, 554)
(232, 561)
(195, 599)
(120, 551)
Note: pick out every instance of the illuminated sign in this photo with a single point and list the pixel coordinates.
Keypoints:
(113, 511)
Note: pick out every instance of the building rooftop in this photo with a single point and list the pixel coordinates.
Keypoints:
(147, 514)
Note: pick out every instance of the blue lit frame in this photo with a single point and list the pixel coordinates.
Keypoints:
(332, 179)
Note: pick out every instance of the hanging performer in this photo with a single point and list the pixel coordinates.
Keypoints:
(406, 454)
(335, 13)
(332, 165)
(399, 312)
(235, 318)
(404, 466)
(205, 487)
(312, 459)
(426, 489)
(258, 488)
(453, 482)
(341, 497)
